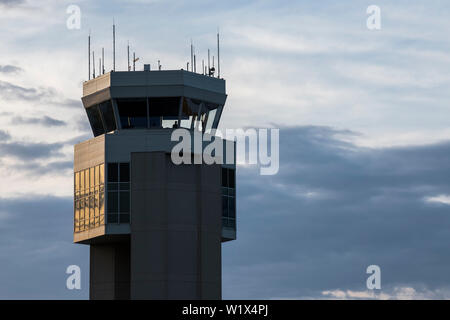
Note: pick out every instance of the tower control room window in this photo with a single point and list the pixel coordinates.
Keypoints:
(132, 113)
(95, 120)
(107, 114)
(118, 192)
(188, 112)
(199, 115)
(101, 118)
(210, 120)
(164, 111)
(228, 198)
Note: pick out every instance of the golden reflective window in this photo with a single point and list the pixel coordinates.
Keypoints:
(89, 198)
(102, 203)
(102, 174)
(81, 183)
(86, 179)
(92, 178)
(77, 181)
(96, 175)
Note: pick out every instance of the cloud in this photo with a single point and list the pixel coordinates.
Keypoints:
(334, 207)
(397, 293)
(36, 158)
(26, 151)
(440, 199)
(10, 2)
(36, 168)
(45, 121)
(10, 91)
(4, 135)
(367, 209)
(10, 69)
(36, 248)
(78, 139)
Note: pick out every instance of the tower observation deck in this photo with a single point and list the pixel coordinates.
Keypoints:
(155, 228)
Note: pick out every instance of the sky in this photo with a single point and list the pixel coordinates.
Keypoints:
(364, 138)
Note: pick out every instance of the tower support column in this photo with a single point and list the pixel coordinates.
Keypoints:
(109, 276)
(175, 229)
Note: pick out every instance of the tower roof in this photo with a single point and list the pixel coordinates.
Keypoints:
(167, 83)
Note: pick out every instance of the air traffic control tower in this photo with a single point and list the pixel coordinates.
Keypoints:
(154, 228)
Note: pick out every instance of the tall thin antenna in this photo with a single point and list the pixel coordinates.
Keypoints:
(128, 53)
(114, 46)
(89, 55)
(93, 63)
(103, 60)
(192, 56)
(195, 64)
(218, 54)
(208, 64)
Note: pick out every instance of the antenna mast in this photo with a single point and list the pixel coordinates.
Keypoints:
(93, 63)
(218, 54)
(103, 60)
(114, 46)
(192, 56)
(128, 53)
(89, 55)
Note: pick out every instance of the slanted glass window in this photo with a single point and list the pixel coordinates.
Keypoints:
(210, 120)
(119, 192)
(164, 111)
(95, 120)
(132, 113)
(108, 115)
(200, 124)
(199, 112)
(188, 112)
